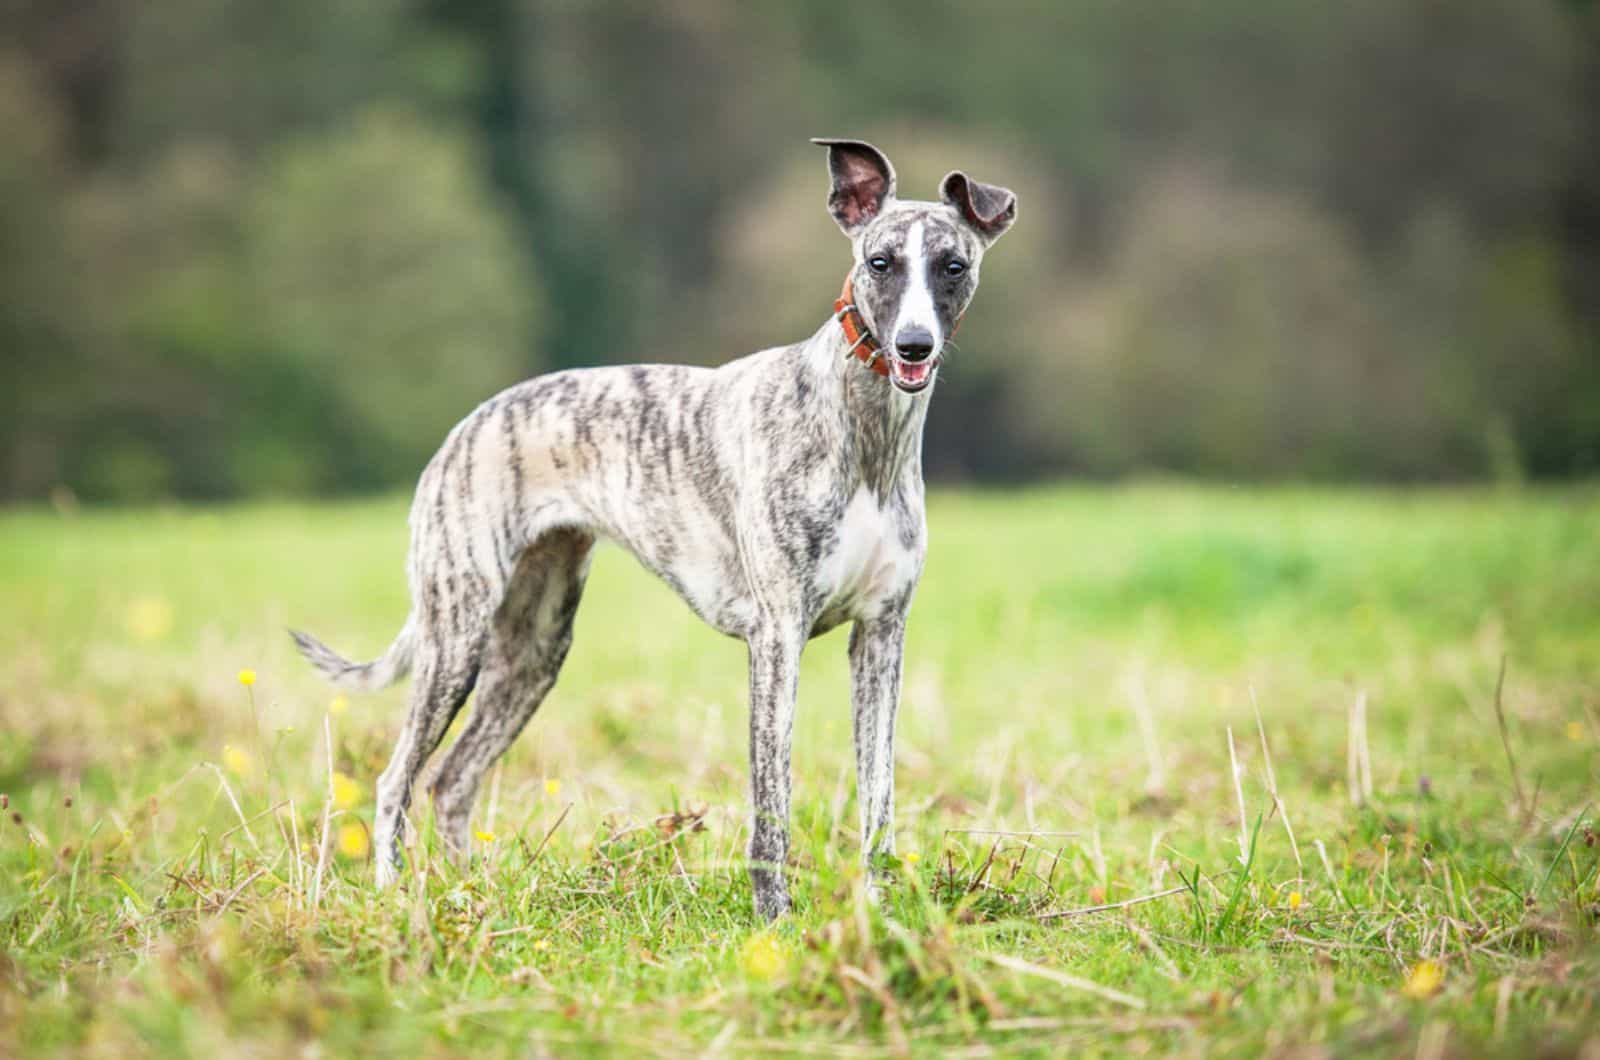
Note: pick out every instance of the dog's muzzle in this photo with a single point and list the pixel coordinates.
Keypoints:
(912, 376)
(913, 363)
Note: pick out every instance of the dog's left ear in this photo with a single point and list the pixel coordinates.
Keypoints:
(987, 207)
(863, 180)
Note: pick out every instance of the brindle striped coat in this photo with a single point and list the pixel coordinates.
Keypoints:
(780, 495)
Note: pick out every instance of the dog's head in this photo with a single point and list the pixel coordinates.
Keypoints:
(916, 263)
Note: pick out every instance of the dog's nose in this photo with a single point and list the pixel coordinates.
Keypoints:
(914, 344)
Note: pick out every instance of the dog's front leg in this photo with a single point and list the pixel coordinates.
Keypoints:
(875, 651)
(774, 681)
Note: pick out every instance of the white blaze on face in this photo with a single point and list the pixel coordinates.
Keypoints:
(916, 305)
(916, 311)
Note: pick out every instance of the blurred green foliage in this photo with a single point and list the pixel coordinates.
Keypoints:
(283, 248)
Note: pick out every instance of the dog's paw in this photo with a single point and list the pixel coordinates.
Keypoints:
(386, 868)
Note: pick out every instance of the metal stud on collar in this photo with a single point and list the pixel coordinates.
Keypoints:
(839, 315)
(843, 307)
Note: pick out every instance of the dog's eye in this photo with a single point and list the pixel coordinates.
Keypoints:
(955, 267)
(878, 263)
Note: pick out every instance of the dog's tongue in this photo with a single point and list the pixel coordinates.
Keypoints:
(911, 373)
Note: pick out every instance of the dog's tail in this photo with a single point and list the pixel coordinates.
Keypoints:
(381, 672)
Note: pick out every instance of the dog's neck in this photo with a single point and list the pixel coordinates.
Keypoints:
(883, 424)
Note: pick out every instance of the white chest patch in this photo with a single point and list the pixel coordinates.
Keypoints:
(869, 563)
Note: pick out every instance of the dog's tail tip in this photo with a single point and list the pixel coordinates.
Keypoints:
(353, 676)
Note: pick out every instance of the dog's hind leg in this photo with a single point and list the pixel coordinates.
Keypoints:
(527, 644)
(443, 673)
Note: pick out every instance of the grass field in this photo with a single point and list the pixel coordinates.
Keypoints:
(186, 871)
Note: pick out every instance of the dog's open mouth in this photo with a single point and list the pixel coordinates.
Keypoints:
(912, 376)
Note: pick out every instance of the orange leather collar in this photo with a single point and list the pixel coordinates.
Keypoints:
(862, 345)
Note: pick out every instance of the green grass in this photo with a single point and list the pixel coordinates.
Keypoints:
(1077, 659)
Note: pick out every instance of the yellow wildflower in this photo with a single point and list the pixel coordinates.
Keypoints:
(764, 957)
(1423, 980)
(149, 618)
(353, 842)
(247, 677)
(1296, 899)
(238, 761)
(1575, 731)
(346, 792)
(338, 705)
(913, 857)
(552, 787)
(542, 944)
(484, 837)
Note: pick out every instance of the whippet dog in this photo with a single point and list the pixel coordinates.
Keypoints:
(780, 495)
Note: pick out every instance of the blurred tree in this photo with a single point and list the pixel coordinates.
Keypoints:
(73, 49)
(1242, 333)
(378, 262)
(244, 75)
(1468, 104)
(40, 341)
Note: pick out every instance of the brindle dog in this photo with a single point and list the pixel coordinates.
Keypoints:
(780, 494)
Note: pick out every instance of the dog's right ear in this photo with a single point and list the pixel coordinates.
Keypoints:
(863, 180)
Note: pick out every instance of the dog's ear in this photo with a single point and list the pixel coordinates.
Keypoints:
(987, 207)
(863, 180)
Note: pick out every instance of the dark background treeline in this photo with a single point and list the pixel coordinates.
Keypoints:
(281, 248)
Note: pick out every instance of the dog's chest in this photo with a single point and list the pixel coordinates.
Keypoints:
(875, 558)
